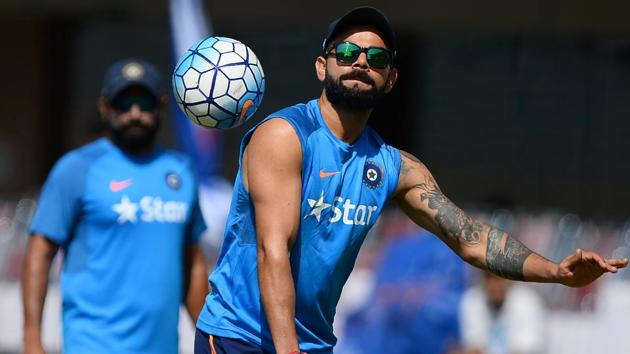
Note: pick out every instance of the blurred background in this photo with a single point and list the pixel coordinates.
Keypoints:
(520, 110)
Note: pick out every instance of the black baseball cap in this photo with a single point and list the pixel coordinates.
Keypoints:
(367, 16)
(131, 72)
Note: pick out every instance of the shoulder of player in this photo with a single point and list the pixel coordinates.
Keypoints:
(412, 172)
(177, 161)
(275, 130)
(302, 116)
(377, 141)
(274, 142)
(178, 156)
(296, 109)
(411, 162)
(84, 156)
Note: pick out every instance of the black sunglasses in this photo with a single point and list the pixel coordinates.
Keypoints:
(347, 53)
(124, 103)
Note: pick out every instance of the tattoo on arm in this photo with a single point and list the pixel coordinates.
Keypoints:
(505, 256)
(452, 220)
(406, 166)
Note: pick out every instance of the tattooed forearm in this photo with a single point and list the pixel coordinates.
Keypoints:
(452, 220)
(505, 256)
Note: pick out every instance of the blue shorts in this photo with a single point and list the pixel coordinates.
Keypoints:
(208, 344)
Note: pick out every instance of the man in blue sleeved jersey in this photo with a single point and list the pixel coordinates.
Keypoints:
(312, 181)
(125, 213)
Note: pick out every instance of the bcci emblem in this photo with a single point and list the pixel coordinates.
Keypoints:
(132, 71)
(372, 175)
(173, 180)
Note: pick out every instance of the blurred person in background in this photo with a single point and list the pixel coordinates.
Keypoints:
(500, 317)
(418, 286)
(125, 212)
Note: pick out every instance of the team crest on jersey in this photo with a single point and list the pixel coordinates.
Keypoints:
(372, 175)
(173, 180)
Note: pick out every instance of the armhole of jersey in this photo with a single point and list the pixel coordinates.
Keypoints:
(397, 157)
(249, 134)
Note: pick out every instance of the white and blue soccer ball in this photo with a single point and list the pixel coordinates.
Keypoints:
(218, 83)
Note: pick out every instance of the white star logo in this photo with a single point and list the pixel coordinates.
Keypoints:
(126, 210)
(317, 206)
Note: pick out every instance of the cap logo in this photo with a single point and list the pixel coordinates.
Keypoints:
(132, 71)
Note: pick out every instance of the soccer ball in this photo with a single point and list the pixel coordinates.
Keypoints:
(218, 83)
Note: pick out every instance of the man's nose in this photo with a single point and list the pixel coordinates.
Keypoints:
(361, 61)
(135, 111)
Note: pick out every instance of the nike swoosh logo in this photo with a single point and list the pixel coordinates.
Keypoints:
(323, 174)
(117, 186)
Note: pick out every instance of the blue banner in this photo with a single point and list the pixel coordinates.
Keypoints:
(189, 25)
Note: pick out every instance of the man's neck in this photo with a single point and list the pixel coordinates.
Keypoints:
(137, 151)
(345, 124)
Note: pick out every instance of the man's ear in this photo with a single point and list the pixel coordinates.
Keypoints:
(103, 107)
(391, 79)
(320, 68)
(163, 101)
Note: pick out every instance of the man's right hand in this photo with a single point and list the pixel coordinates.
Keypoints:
(39, 255)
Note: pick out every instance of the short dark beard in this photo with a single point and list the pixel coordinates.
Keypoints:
(122, 136)
(352, 98)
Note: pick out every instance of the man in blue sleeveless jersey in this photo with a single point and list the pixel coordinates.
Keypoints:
(125, 212)
(313, 179)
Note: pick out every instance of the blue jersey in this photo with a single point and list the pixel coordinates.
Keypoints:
(344, 189)
(123, 222)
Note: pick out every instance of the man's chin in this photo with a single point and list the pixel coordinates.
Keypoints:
(136, 144)
(136, 139)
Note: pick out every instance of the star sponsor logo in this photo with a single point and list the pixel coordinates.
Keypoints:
(152, 209)
(342, 209)
(126, 210)
(117, 186)
(317, 206)
(372, 175)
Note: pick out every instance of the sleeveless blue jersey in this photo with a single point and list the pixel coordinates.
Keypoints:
(344, 189)
(123, 222)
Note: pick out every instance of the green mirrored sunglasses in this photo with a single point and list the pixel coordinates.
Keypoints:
(347, 53)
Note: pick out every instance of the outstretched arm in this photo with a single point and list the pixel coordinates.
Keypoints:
(272, 164)
(483, 245)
